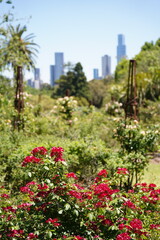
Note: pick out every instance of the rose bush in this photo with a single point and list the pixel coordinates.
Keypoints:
(55, 205)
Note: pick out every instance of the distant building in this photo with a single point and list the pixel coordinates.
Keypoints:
(59, 65)
(52, 75)
(58, 69)
(95, 73)
(121, 48)
(30, 83)
(37, 81)
(106, 66)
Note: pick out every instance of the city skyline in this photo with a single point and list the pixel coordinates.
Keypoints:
(85, 30)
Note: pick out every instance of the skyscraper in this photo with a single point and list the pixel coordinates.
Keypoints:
(121, 48)
(52, 75)
(95, 73)
(58, 69)
(106, 66)
(37, 78)
(59, 65)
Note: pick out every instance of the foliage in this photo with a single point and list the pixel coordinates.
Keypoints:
(114, 108)
(54, 205)
(135, 142)
(98, 90)
(66, 106)
(121, 72)
(16, 50)
(74, 82)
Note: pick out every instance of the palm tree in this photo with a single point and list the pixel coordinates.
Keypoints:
(19, 53)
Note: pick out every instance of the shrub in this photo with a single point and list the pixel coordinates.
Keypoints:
(54, 205)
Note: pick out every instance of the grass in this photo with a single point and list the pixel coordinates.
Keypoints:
(152, 174)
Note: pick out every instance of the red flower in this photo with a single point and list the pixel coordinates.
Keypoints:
(136, 224)
(103, 173)
(78, 237)
(152, 185)
(31, 236)
(57, 152)
(31, 183)
(44, 186)
(4, 195)
(122, 171)
(15, 233)
(71, 175)
(39, 151)
(75, 194)
(123, 236)
(157, 226)
(31, 159)
(121, 226)
(129, 204)
(53, 221)
(25, 189)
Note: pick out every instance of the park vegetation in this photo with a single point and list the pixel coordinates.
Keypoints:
(71, 163)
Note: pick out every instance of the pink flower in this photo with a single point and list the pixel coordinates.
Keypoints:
(39, 151)
(136, 224)
(71, 175)
(123, 236)
(122, 171)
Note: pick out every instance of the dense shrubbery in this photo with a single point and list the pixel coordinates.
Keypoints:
(53, 204)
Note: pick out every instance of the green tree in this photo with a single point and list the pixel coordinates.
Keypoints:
(18, 53)
(74, 82)
(98, 91)
(16, 50)
(121, 72)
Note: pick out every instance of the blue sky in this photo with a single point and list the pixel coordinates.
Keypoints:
(85, 30)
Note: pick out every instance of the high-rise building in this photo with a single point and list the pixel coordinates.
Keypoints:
(95, 73)
(37, 82)
(59, 65)
(58, 69)
(121, 48)
(52, 75)
(106, 66)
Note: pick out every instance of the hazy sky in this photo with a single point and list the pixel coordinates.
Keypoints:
(85, 30)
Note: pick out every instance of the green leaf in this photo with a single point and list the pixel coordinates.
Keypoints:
(49, 234)
(90, 216)
(67, 206)
(60, 211)
(76, 212)
(46, 168)
(29, 174)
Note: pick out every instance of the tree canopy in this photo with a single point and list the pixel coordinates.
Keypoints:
(74, 82)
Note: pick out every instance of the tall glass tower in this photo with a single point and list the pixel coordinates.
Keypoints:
(106, 66)
(59, 64)
(121, 48)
